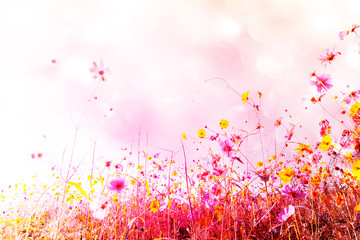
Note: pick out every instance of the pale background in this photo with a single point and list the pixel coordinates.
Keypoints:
(159, 53)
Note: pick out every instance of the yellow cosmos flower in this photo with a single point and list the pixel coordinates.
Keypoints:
(357, 208)
(349, 158)
(325, 143)
(201, 133)
(303, 148)
(184, 136)
(224, 123)
(315, 180)
(154, 206)
(356, 168)
(354, 109)
(260, 164)
(306, 169)
(244, 96)
(286, 175)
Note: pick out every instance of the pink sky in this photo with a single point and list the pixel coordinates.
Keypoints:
(159, 53)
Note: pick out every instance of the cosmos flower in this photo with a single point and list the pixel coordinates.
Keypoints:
(343, 34)
(286, 175)
(329, 56)
(325, 143)
(288, 212)
(244, 96)
(227, 147)
(201, 133)
(99, 70)
(154, 206)
(356, 168)
(117, 185)
(294, 193)
(99, 208)
(224, 123)
(321, 82)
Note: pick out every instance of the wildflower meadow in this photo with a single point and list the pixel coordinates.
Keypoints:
(209, 187)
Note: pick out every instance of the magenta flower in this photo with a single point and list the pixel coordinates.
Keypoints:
(227, 147)
(293, 193)
(99, 70)
(288, 212)
(321, 82)
(117, 185)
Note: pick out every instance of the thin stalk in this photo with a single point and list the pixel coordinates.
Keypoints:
(187, 186)
(65, 186)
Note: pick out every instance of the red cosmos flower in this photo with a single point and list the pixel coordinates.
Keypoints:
(227, 147)
(329, 57)
(343, 34)
(99, 70)
(322, 82)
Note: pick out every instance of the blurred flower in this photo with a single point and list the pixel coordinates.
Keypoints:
(108, 164)
(304, 148)
(288, 212)
(224, 123)
(343, 34)
(154, 206)
(119, 167)
(325, 127)
(294, 193)
(227, 147)
(184, 136)
(99, 208)
(352, 96)
(321, 82)
(219, 172)
(325, 143)
(244, 96)
(315, 180)
(356, 168)
(286, 175)
(235, 138)
(316, 157)
(306, 169)
(278, 122)
(349, 158)
(216, 190)
(201, 133)
(357, 208)
(117, 185)
(354, 109)
(99, 70)
(260, 164)
(329, 57)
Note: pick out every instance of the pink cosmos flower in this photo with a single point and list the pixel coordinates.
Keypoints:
(328, 57)
(294, 193)
(117, 185)
(316, 157)
(343, 34)
(227, 147)
(322, 82)
(352, 97)
(288, 212)
(99, 70)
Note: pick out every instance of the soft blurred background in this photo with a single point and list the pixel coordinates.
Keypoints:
(160, 53)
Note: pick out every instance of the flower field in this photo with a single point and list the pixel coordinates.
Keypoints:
(300, 189)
